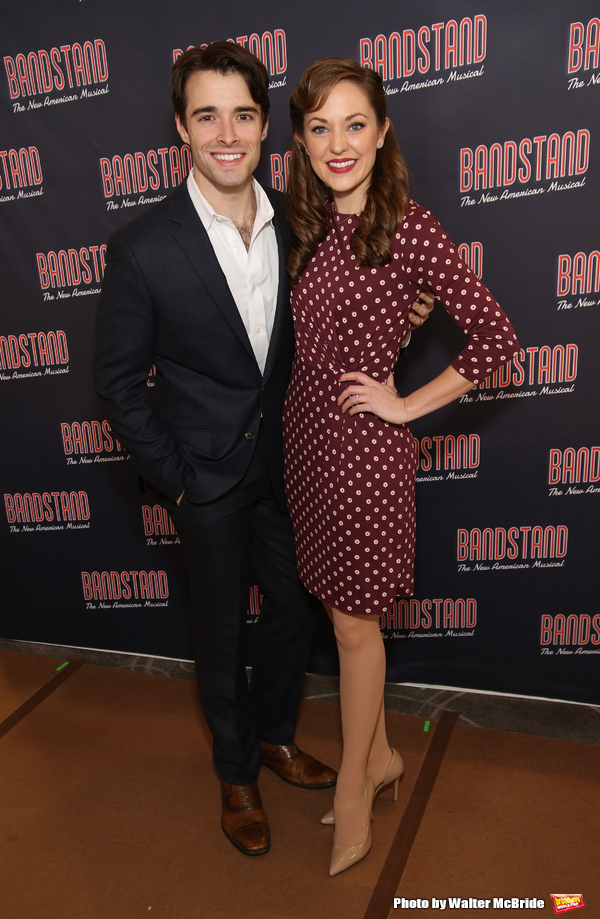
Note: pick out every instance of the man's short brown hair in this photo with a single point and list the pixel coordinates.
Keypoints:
(221, 57)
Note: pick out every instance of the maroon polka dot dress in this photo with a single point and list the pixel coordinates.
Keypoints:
(350, 479)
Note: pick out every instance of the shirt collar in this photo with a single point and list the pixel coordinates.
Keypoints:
(207, 213)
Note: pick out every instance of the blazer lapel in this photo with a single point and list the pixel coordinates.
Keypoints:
(282, 309)
(193, 239)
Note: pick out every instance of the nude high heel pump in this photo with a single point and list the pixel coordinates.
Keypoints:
(343, 857)
(392, 775)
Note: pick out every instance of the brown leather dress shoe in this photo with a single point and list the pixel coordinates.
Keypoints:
(296, 767)
(243, 819)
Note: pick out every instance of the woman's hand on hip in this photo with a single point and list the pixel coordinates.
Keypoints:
(364, 394)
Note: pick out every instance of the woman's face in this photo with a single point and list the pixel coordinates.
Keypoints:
(342, 138)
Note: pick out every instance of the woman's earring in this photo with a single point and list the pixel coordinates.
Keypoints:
(380, 145)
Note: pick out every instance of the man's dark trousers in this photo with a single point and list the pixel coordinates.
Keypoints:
(231, 543)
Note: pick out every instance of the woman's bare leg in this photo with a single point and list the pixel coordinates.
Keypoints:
(362, 679)
(379, 754)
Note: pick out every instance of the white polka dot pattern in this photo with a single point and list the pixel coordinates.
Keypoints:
(350, 479)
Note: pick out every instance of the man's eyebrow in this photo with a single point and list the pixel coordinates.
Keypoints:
(209, 109)
(204, 108)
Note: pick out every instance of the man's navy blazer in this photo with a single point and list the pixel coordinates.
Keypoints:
(165, 303)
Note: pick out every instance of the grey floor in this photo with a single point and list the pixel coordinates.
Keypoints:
(561, 720)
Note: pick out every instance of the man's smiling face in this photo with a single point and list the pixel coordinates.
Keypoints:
(224, 128)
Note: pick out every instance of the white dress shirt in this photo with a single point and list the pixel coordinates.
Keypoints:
(252, 274)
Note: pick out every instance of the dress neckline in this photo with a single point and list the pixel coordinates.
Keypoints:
(338, 218)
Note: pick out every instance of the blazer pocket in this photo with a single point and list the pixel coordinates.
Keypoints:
(199, 442)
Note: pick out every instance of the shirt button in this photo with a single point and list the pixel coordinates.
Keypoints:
(257, 329)
(254, 287)
(249, 435)
(236, 245)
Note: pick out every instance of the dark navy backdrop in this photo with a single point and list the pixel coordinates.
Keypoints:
(496, 107)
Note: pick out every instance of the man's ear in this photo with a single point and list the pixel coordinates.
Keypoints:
(182, 129)
(265, 130)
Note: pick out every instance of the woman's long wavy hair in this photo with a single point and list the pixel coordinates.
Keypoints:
(307, 195)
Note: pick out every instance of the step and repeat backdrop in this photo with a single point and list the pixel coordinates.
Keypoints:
(496, 108)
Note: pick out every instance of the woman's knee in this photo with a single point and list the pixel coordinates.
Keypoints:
(353, 632)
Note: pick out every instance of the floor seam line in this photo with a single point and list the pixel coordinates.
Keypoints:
(390, 876)
(40, 695)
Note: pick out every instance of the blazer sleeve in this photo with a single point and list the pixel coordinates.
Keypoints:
(123, 358)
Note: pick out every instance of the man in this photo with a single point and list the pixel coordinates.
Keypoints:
(197, 286)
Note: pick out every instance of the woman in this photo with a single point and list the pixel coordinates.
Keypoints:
(363, 252)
